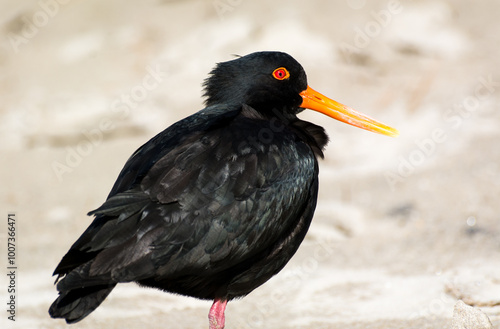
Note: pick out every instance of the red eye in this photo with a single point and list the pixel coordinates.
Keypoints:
(281, 73)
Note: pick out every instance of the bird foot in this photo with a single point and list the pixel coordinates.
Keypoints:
(216, 316)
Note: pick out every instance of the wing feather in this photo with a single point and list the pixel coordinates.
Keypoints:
(193, 200)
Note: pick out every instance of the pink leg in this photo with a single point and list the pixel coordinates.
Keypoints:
(216, 315)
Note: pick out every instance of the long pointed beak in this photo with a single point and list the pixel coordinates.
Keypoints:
(315, 101)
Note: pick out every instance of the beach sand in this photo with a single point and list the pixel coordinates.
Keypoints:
(404, 226)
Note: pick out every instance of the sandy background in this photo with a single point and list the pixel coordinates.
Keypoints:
(403, 227)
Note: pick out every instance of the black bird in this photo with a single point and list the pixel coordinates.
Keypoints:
(215, 205)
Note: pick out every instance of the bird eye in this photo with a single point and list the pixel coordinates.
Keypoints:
(281, 73)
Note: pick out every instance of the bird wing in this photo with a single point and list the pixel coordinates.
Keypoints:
(203, 195)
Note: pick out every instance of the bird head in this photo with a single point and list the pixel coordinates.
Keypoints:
(270, 81)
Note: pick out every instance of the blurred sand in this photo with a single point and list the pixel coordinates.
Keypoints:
(403, 227)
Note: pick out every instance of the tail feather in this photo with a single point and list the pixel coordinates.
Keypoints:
(74, 305)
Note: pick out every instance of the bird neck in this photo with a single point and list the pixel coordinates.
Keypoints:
(313, 135)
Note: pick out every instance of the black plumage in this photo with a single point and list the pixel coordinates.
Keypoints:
(214, 205)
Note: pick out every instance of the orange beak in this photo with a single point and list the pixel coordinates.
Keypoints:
(315, 101)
